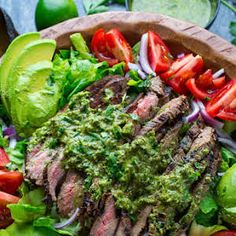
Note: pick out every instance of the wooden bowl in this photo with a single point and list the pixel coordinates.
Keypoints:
(179, 35)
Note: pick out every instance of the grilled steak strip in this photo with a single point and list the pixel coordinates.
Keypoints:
(53, 176)
(141, 223)
(165, 214)
(71, 194)
(124, 227)
(36, 165)
(170, 111)
(106, 224)
(118, 86)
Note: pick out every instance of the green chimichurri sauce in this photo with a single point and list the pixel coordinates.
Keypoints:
(100, 145)
(196, 11)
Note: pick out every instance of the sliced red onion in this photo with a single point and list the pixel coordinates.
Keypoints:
(144, 55)
(207, 118)
(12, 142)
(181, 55)
(194, 114)
(218, 73)
(137, 68)
(68, 222)
(9, 131)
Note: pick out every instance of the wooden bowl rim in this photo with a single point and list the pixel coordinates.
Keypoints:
(192, 37)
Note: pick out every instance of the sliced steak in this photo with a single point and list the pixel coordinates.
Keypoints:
(141, 223)
(124, 227)
(168, 112)
(36, 165)
(106, 224)
(53, 176)
(117, 85)
(157, 86)
(71, 194)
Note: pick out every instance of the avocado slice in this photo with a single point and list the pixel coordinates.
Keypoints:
(34, 100)
(9, 58)
(34, 52)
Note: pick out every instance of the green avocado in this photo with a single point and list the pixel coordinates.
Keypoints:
(226, 189)
(33, 97)
(9, 58)
(229, 216)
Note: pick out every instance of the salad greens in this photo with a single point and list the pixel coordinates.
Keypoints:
(98, 6)
(30, 218)
(233, 31)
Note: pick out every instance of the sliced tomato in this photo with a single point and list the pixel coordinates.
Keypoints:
(219, 82)
(227, 115)
(176, 66)
(190, 70)
(159, 55)
(196, 92)
(117, 45)
(4, 159)
(205, 80)
(225, 233)
(10, 181)
(222, 99)
(98, 46)
(5, 215)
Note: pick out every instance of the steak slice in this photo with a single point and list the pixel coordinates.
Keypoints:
(168, 112)
(71, 195)
(35, 165)
(157, 86)
(141, 223)
(106, 224)
(53, 177)
(124, 227)
(117, 85)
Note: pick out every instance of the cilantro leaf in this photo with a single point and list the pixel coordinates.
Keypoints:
(232, 28)
(95, 6)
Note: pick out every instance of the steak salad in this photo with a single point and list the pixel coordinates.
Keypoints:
(114, 141)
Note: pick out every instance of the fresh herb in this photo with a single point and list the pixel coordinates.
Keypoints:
(228, 159)
(137, 83)
(233, 31)
(98, 6)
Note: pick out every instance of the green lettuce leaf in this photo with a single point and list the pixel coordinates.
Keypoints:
(79, 43)
(228, 159)
(136, 82)
(17, 155)
(200, 230)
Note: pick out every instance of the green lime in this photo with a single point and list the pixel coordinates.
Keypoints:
(226, 189)
(229, 215)
(51, 12)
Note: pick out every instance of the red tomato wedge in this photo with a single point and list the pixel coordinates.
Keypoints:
(98, 47)
(5, 215)
(219, 82)
(176, 66)
(192, 67)
(222, 100)
(10, 181)
(196, 92)
(205, 80)
(4, 159)
(117, 45)
(159, 56)
(225, 233)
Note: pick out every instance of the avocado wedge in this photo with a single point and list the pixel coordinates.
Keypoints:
(9, 59)
(31, 98)
(35, 100)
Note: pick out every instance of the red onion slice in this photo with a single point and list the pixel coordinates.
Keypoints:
(144, 55)
(68, 222)
(9, 131)
(138, 69)
(12, 142)
(218, 73)
(194, 114)
(180, 56)
(208, 119)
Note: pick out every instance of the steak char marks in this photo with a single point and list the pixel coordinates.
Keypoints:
(158, 110)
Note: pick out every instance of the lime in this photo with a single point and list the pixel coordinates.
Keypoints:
(51, 12)
(229, 215)
(226, 189)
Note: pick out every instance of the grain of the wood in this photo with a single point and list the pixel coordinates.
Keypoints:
(22, 13)
(181, 36)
